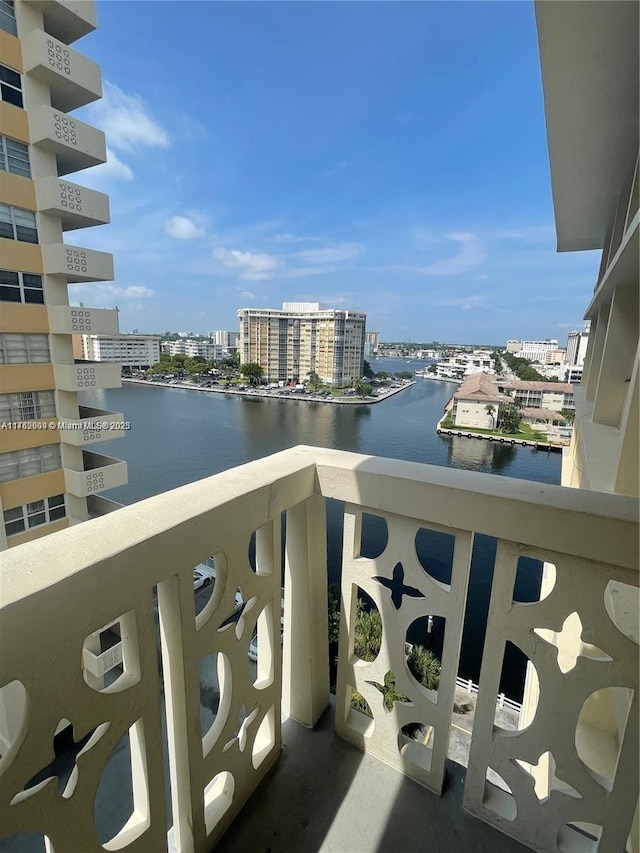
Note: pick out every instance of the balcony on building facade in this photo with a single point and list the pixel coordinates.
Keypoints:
(99, 474)
(86, 376)
(93, 425)
(76, 263)
(72, 320)
(98, 505)
(67, 20)
(77, 206)
(73, 80)
(76, 145)
(558, 783)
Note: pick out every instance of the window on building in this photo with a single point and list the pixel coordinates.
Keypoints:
(24, 349)
(27, 406)
(14, 156)
(18, 464)
(10, 86)
(21, 518)
(8, 17)
(18, 224)
(21, 287)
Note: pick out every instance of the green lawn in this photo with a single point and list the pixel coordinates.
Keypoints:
(526, 433)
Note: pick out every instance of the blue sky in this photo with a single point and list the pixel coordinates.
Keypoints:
(384, 157)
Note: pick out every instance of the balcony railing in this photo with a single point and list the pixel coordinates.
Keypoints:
(67, 20)
(93, 426)
(77, 206)
(87, 375)
(99, 474)
(72, 320)
(73, 80)
(567, 780)
(76, 145)
(76, 263)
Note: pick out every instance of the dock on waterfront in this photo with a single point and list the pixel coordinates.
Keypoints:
(500, 439)
(260, 393)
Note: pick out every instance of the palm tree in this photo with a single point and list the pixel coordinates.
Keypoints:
(314, 380)
(490, 409)
(253, 372)
(368, 632)
(424, 666)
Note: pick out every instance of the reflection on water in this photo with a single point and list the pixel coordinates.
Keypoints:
(265, 421)
(478, 454)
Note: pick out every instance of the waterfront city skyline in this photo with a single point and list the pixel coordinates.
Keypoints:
(383, 158)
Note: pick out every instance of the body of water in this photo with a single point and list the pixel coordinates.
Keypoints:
(179, 436)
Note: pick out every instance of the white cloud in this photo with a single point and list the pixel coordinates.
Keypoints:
(250, 266)
(330, 255)
(137, 292)
(247, 294)
(529, 234)
(291, 238)
(465, 303)
(303, 272)
(107, 295)
(113, 168)
(470, 256)
(126, 121)
(183, 228)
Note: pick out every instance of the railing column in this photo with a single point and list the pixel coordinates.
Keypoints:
(305, 676)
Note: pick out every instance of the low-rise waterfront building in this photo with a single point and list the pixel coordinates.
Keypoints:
(542, 395)
(543, 420)
(133, 352)
(202, 348)
(462, 364)
(477, 402)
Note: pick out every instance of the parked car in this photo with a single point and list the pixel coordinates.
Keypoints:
(253, 645)
(202, 577)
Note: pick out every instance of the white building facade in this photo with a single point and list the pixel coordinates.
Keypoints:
(130, 351)
(536, 350)
(225, 338)
(577, 343)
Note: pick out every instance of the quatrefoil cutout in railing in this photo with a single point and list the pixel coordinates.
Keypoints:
(397, 586)
(64, 766)
(570, 645)
(545, 779)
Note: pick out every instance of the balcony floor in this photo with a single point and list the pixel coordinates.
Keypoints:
(326, 795)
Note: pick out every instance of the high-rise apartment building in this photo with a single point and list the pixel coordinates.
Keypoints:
(50, 476)
(303, 338)
(577, 343)
(371, 343)
(225, 338)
